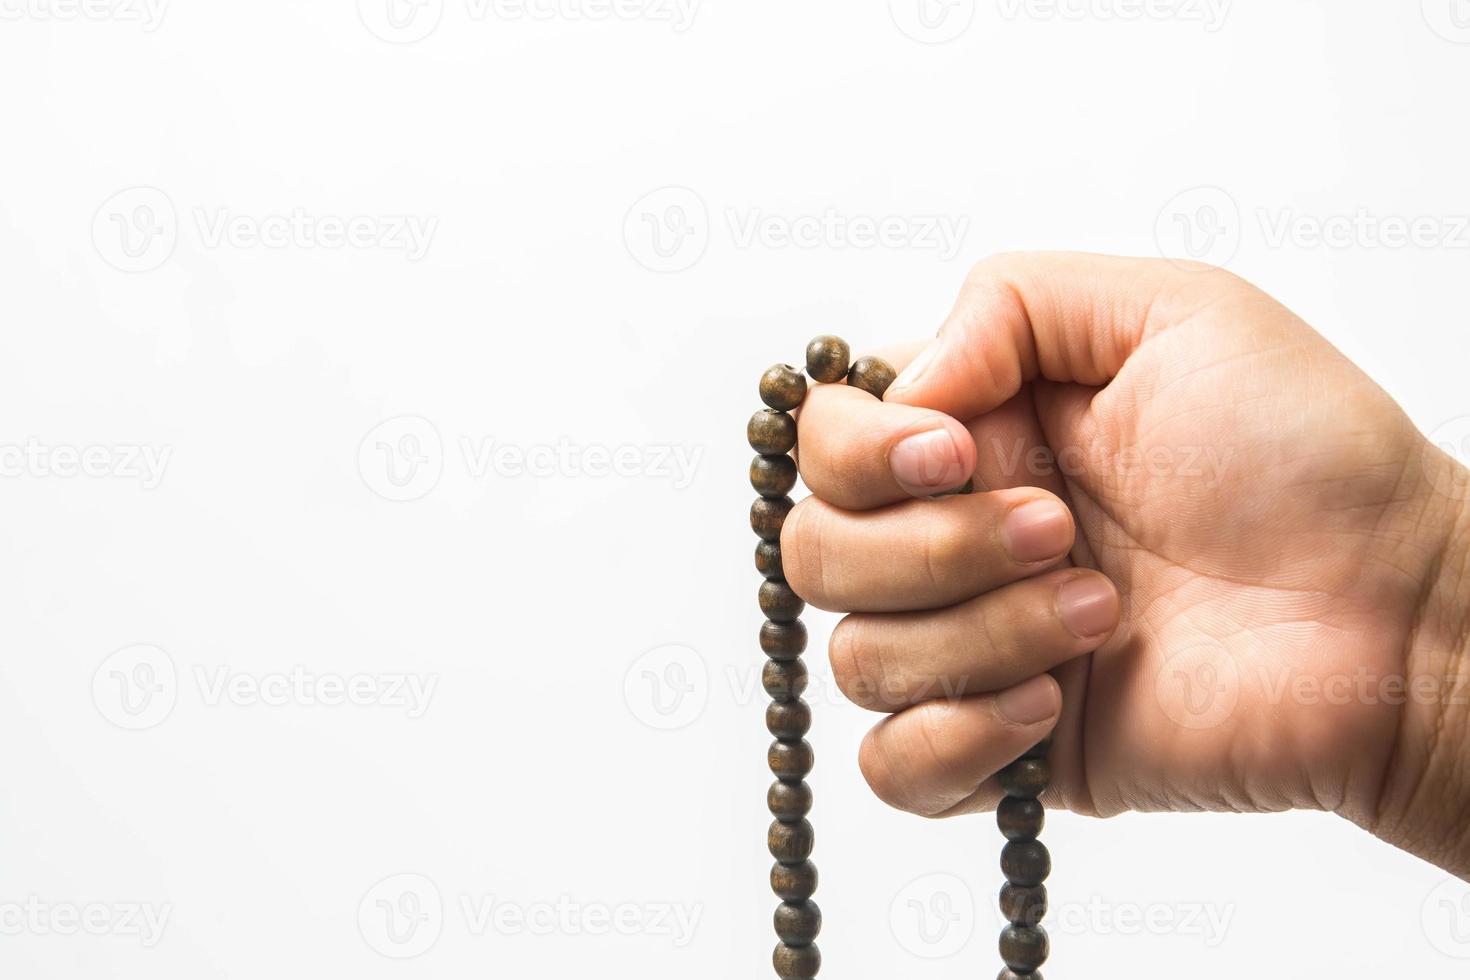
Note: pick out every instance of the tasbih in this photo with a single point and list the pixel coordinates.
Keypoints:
(1024, 860)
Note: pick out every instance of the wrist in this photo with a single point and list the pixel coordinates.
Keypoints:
(1424, 804)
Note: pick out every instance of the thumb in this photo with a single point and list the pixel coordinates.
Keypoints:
(1059, 316)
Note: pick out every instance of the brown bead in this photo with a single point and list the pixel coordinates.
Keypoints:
(789, 801)
(871, 374)
(1020, 818)
(791, 843)
(768, 559)
(784, 680)
(1025, 862)
(797, 923)
(788, 720)
(770, 432)
(827, 359)
(1007, 973)
(1024, 948)
(1022, 905)
(1025, 778)
(796, 962)
(783, 641)
(783, 387)
(794, 882)
(773, 476)
(767, 515)
(779, 602)
(790, 760)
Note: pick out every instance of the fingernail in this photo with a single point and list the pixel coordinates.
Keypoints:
(1088, 606)
(1028, 703)
(927, 463)
(911, 374)
(1036, 531)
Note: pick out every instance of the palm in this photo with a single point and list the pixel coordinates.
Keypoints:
(1238, 506)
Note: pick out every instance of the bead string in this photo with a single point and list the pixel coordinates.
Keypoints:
(1024, 860)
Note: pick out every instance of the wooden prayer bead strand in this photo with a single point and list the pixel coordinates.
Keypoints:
(790, 839)
(1025, 862)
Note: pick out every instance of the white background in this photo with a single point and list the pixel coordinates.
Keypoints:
(566, 755)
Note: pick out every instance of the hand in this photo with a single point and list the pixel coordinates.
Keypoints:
(1242, 566)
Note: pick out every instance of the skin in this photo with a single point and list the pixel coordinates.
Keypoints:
(1275, 560)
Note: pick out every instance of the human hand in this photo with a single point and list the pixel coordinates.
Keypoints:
(1268, 607)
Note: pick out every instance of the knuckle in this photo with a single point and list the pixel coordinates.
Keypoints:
(942, 550)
